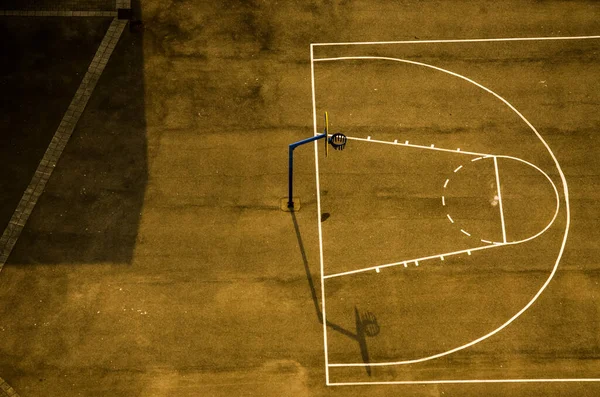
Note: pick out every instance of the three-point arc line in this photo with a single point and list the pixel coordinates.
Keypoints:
(468, 251)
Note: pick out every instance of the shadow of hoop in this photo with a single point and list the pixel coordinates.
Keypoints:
(366, 323)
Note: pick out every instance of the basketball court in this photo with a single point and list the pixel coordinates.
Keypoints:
(450, 248)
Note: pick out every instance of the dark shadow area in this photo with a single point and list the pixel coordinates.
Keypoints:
(52, 5)
(366, 325)
(90, 210)
(44, 60)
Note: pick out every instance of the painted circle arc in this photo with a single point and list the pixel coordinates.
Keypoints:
(565, 193)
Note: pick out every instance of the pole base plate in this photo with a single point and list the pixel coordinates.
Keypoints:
(283, 204)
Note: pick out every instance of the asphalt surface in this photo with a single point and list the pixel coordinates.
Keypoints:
(158, 261)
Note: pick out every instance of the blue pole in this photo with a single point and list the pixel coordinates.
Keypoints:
(291, 165)
(290, 177)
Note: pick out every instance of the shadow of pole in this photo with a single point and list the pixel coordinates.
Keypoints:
(360, 335)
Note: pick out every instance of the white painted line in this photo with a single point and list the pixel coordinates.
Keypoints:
(443, 201)
(377, 269)
(477, 158)
(458, 149)
(500, 199)
(417, 263)
(407, 143)
(395, 141)
(486, 241)
(405, 262)
(442, 258)
(60, 139)
(432, 145)
(450, 218)
(464, 381)
(458, 168)
(368, 138)
(322, 267)
(446, 183)
(465, 232)
(439, 41)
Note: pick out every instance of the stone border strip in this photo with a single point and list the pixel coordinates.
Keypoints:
(119, 4)
(6, 390)
(60, 139)
(38, 13)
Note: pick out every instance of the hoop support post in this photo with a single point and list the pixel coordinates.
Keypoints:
(293, 146)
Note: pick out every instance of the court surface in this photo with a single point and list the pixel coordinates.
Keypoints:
(449, 250)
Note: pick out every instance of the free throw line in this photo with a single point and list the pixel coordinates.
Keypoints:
(500, 199)
(450, 381)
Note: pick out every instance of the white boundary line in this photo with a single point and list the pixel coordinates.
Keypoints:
(322, 267)
(436, 382)
(439, 41)
(411, 145)
(500, 199)
(565, 191)
(424, 258)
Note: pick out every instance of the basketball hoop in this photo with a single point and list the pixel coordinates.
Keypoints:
(338, 141)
